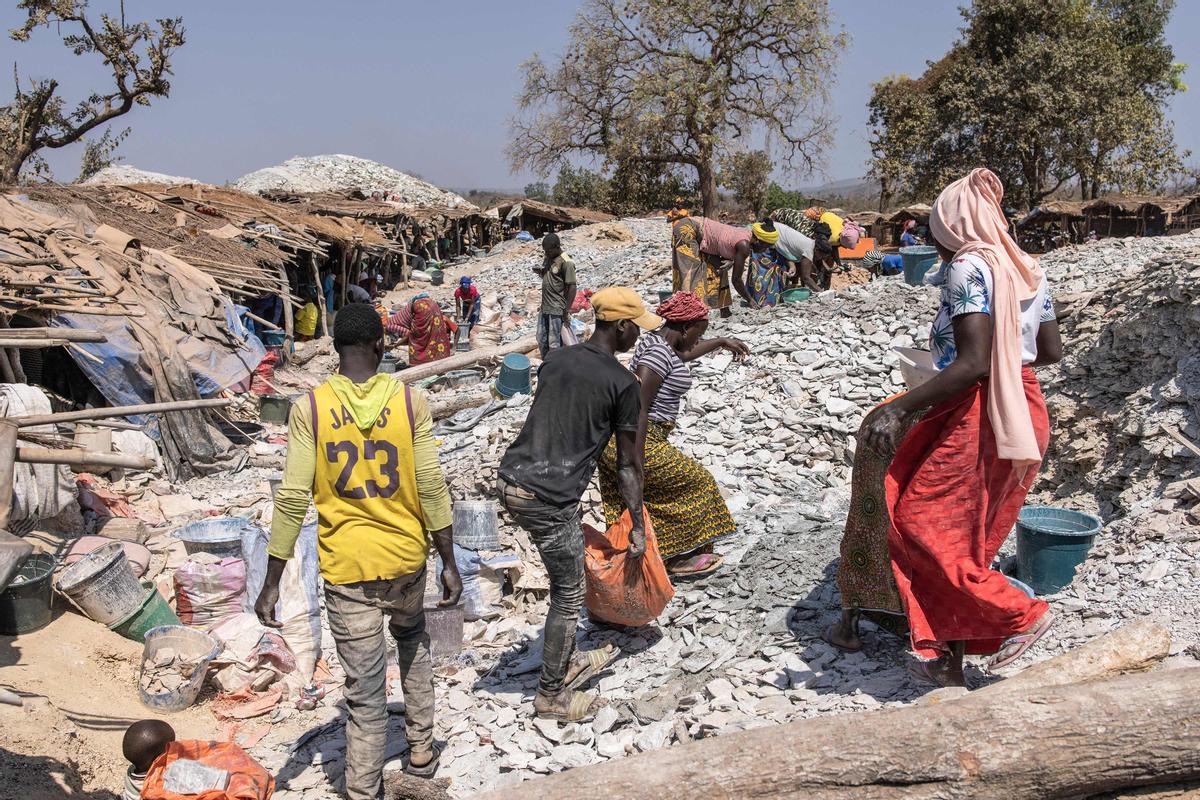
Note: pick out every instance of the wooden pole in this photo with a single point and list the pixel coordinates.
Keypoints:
(8, 449)
(287, 307)
(119, 411)
(463, 360)
(316, 271)
(70, 334)
(81, 458)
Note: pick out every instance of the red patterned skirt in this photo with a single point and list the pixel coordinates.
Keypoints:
(952, 503)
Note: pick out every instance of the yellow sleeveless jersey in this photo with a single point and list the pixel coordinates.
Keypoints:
(365, 489)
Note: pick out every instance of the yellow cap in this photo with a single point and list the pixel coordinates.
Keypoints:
(617, 303)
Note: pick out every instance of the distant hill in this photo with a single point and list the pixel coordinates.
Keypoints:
(858, 192)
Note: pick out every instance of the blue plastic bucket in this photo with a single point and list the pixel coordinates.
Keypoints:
(272, 338)
(917, 261)
(514, 377)
(1051, 544)
(1023, 587)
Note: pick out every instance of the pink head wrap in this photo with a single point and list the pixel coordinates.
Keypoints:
(967, 218)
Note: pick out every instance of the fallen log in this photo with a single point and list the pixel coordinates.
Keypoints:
(464, 360)
(1040, 742)
(1135, 647)
(448, 407)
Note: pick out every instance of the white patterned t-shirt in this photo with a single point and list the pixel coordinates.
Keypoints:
(966, 285)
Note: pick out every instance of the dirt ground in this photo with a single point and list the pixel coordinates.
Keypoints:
(79, 681)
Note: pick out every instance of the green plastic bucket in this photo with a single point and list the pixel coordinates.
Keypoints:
(152, 613)
(27, 605)
(664, 295)
(1051, 544)
(917, 261)
(796, 295)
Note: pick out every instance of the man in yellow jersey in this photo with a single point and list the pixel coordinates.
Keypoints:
(361, 445)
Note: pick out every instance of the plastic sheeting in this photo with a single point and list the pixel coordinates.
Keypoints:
(40, 491)
(119, 375)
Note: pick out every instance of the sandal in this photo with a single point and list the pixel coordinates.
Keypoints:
(425, 770)
(1016, 646)
(581, 708)
(703, 564)
(587, 664)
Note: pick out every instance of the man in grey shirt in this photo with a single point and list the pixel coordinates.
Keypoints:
(558, 293)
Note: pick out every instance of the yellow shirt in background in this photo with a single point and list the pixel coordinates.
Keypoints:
(378, 489)
(306, 320)
(835, 224)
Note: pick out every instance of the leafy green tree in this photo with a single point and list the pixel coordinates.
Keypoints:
(778, 197)
(538, 191)
(681, 83)
(637, 187)
(580, 188)
(747, 175)
(137, 56)
(100, 153)
(1046, 93)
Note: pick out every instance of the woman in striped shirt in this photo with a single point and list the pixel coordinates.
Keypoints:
(686, 507)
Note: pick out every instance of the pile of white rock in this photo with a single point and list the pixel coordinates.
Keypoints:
(337, 172)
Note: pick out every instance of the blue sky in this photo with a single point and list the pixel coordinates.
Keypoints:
(428, 87)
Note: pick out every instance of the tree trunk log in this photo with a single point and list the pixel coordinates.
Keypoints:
(1035, 743)
(475, 396)
(464, 360)
(1135, 647)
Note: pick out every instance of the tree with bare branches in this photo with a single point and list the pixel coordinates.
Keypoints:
(138, 56)
(685, 82)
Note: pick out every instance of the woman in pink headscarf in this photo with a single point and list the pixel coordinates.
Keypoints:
(959, 476)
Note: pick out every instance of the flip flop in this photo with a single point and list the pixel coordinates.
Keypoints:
(582, 708)
(705, 564)
(425, 770)
(1016, 646)
(594, 662)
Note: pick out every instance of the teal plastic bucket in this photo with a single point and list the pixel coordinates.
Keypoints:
(514, 377)
(664, 295)
(271, 338)
(796, 295)
(917, 261)
(1051, 544)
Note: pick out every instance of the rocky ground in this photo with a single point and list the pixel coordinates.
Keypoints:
(742, 648)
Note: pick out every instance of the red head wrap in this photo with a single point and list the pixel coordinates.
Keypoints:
(683, 307)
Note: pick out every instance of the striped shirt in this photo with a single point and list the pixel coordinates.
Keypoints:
(655, 353)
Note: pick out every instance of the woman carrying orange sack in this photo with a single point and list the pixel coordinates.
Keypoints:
(428, 332)
(958, 477)
(686, 507)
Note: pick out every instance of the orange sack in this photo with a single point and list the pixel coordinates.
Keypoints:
(620, 589)
(247, 779)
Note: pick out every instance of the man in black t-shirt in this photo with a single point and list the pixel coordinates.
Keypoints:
(584, 397)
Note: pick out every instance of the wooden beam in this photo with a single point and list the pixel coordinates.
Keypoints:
(463, 360)
(119, 411)
(70, 334)
(82, 458)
